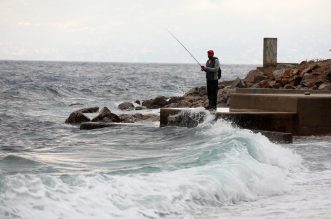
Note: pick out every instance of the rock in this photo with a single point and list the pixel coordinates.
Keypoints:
(138, 108)
(137, 102)
(89, 110)
(77, 117)
(255, 76)
(156, 103)
(308, 83)
(283, 81)
(274, 84)
(325, 86)
(175, 100)
(106, 115)
(94, 125)
(197, 91)
(328, 76)
(238, 83)
(297, 80)
(131, 118)
(307, 76)
(310, 68)
(289, 73)
(278, 73)
(126, 106)
(264, 84)
(226, 83)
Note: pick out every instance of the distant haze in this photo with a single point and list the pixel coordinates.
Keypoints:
(134, 30)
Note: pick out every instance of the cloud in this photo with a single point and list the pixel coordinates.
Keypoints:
(135, 30)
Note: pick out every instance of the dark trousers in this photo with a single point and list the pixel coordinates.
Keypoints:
(212, 89)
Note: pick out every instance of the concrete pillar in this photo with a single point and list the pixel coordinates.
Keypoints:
(269, 52)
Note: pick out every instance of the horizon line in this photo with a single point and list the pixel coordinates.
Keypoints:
(183, 63)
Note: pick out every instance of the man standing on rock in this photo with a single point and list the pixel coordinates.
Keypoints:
(211, 69)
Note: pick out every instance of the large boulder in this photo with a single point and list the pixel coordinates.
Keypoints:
(106, 115)
(77, 117)
(255, 76)
(126, 106)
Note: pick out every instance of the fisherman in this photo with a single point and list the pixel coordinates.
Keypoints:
(211, 69)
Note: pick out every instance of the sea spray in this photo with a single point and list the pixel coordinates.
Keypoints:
(230, 166)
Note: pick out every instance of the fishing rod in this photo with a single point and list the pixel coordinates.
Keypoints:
(184, 47)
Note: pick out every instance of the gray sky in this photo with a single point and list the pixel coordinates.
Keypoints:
(134, 30)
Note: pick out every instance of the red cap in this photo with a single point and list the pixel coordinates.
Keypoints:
(211, 52)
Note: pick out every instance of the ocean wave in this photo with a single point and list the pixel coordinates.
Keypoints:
(233, 166)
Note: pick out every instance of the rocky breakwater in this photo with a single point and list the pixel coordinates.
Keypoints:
(105, 118)
(312, 75)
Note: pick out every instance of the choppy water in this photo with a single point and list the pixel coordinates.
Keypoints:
(52, 170)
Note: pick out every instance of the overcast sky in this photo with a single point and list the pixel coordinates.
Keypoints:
(134, 30)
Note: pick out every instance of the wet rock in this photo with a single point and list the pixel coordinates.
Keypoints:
(156, 103)
(106, 115)
(138, 108)
(197, 91)
(94, 125)
(77, 118)
(126, 106)
(137, 102)
(175, 100)
(89, 110)
(187, 119)
(138, 117)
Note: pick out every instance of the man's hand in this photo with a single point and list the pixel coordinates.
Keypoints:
(202, 68)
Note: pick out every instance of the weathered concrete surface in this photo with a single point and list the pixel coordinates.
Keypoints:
(311, 112)
(268, 121)
(269, 51)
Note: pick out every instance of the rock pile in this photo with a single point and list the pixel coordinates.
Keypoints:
(106, 116)
(310, 75)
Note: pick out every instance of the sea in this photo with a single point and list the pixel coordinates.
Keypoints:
(49, 169)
